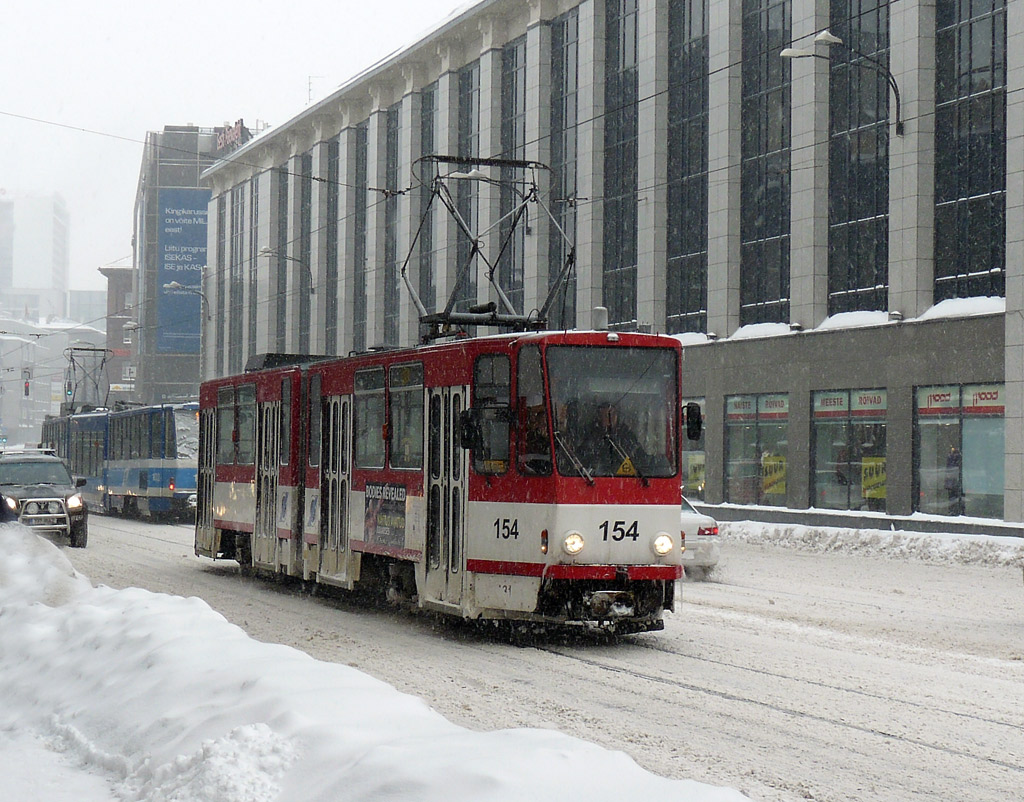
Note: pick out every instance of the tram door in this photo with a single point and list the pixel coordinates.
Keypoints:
(446, 495)
(205, 482)
(268, 427)
(334, 488)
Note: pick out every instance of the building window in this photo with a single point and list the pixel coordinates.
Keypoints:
(236, 291)
(848, 450)
(858, 209)
(254, 245)
(280, 247)
(970, 161)
(466, 195)
(959, 450)
(427, 284)
(687, 278)
(620, 163)
(565, 40)
(219, 279)
(756, 449)
(513, 143)
(392, 306)
(303, 269)
(360, 193)
(331, 279)
(764, 182)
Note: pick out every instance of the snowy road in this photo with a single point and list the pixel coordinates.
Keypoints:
(790, 675)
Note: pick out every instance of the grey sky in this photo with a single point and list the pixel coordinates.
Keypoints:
(83, 82)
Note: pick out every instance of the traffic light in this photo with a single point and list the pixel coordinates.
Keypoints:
(26, 389)
(68, 389)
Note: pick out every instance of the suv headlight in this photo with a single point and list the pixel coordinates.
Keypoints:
(75, 502)
(12, 503)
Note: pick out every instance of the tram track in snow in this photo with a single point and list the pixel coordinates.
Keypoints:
(676, 684)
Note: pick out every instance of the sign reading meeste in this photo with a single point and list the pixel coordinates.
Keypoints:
(181, 249)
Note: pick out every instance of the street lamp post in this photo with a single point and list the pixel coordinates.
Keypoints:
(829, 39)
(174, 285)
(266, 250)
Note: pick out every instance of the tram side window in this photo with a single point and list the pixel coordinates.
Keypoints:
(491, 397)
(156, 434)
(406, 416)
(534, 450)
(369, 418)
(285, 441)
(315, 411)
(246, 454)
(170, 446)
(226, 426)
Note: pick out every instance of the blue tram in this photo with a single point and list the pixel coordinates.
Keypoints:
(136, 461)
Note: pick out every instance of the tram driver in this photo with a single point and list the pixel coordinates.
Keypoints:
(609, 447)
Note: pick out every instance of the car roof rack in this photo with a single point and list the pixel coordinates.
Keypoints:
(52, 452)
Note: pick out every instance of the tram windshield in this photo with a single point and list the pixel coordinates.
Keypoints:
(615, 410)
(186, 440)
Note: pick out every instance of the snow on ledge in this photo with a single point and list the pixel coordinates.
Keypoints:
(965, 307)
(753, 331)
(853, 320)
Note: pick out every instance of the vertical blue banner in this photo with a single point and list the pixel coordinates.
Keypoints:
(181, 257)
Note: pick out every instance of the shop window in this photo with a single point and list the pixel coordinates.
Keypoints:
(756, 449)
(849, 450)
(693, 457)
(959, 450)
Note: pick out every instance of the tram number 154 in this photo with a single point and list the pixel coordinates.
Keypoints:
(506, 528)
(617, 530)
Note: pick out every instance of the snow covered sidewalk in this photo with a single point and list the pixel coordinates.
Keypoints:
(130, 695)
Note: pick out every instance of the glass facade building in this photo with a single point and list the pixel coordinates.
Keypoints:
(821, 267)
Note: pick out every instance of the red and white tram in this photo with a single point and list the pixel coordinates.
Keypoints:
(462, 477)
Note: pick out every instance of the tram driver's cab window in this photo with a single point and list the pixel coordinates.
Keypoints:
(534, 441)
(490, 413)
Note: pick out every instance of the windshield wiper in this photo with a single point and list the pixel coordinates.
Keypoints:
(579, 466)
(622, 453)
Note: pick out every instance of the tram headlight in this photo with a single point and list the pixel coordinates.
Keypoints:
(662, 544)
(75, 502)
(573, 544)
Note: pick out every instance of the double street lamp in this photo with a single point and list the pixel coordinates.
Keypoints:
(266, 250)
(830, 39)
(174, 285)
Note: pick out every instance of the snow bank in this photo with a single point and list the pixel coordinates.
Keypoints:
(898, 545)
(171, 703)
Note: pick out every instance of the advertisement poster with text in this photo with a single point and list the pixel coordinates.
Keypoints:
(181, 259)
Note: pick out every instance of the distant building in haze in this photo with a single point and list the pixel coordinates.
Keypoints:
(34, 255)
(169, 259)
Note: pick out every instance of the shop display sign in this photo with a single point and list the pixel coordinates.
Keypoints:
(868, 403)
(983, 399)
(773, 475)
(773, 407)
(938, 400)
(831, 404)
(872, 477)
(741, 408)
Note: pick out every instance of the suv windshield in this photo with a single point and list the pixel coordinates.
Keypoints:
(34, 473)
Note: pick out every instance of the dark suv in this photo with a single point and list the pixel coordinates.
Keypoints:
(38, 489)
